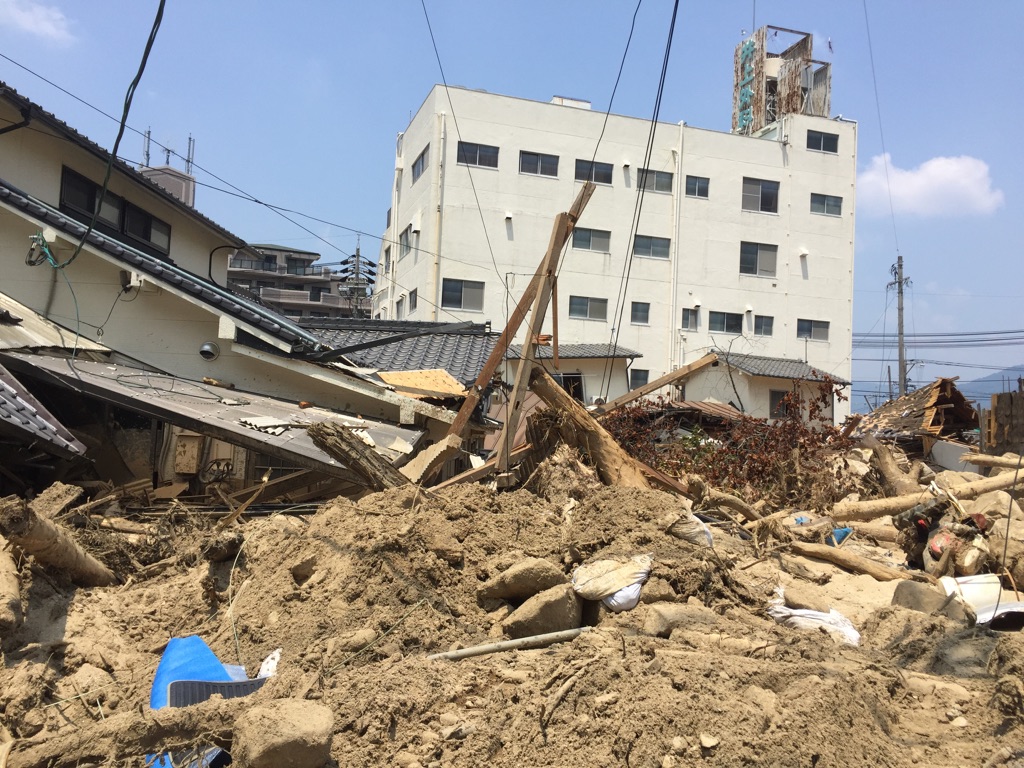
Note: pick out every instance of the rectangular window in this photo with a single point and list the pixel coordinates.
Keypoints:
(654, 181)
(640, 313)
(462, 294)
(536, 163)
(760, 195)
(690, 319)
(823, 142)
(599, 173)
(758, 259)
(405, 241)
(812, 329)
(477, 154)
(420, 163)
(725, 322)
(413, 300)
(116, 216)
(592, 240)
(638, 377)
(826, 204)
(571, 383)
(386, 261)
(763, 325)
(399, 309)
(587, 308)
(147, 228)
(778, 406)
(697, 186)
(654, 247)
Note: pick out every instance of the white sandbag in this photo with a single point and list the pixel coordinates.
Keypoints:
(690, 528)
(626, 599)
(604, 578)
(833, 622)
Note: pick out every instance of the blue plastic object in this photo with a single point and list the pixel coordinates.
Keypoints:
(185, 658)
(801, 520)
(838, 536)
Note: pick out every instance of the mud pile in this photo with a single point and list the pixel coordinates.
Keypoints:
(359, 594)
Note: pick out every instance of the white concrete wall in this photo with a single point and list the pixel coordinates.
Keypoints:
(481, 243)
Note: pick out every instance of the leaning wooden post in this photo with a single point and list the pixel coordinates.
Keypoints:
(49, 543)
(614, 465)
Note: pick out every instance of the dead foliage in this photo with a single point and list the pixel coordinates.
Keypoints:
(787, 461)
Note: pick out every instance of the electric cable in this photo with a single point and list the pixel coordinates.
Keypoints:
(638, 208)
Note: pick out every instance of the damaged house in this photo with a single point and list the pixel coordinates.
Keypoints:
(125, 355)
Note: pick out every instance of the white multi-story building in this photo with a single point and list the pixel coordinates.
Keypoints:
(741, 242)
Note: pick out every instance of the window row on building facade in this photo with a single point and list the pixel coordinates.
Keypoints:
(544, 164)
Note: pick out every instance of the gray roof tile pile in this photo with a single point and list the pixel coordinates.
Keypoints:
(461, 353)
(23, 415)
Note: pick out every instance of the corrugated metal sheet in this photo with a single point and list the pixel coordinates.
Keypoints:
(22, 328)
(213, 411)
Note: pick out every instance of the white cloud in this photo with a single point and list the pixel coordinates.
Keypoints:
(942, 186)
(33, 18)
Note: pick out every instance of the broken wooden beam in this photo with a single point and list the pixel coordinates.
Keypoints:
(49, 543)
(846, 511)
(475, 393)
(580, 430)
(10, 591)
(854, 563)
(674, 377)
(129, 735)
(341, 443)
(984, 460)
(487, 468)
(899, 483)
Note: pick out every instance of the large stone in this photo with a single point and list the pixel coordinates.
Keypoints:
(524, 579)
(662, 618)
(553, 610)
(927, 599)
(994, 505)
(290, 733)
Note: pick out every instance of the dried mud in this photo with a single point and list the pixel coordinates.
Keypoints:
(359, 594)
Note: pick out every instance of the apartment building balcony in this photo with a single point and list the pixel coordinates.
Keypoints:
(305, 299)
(238, 267)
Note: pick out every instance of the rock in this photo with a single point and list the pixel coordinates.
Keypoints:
(657, 591)
(352, 641)
(523, 580)
(662, 618)
(553, 610)
(448, 718)
(605, 700)
(406, 759)
(949, 478)
(446, 547)
(290, 733)
(679, 745)
(994, 506)
(805, 597)
(707, 741)
(960, 722)
(457, 732)
(927, 599)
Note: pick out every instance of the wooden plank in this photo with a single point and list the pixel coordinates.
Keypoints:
(279, 486)
(473, 396)
(479, 473)
(559, 233)
(669, 378)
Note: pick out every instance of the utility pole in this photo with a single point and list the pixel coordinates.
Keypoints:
(900, 282)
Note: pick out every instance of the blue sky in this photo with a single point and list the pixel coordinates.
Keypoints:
(298, 105)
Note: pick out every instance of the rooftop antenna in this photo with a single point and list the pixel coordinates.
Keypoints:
(191, 154)
(145, 147)
(167, 155)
